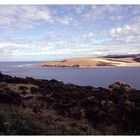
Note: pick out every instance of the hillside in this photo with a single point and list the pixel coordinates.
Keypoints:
(129, 60)
(41, 107)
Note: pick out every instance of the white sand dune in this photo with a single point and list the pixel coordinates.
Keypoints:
(91, 62)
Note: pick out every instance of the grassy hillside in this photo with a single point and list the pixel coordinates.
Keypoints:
(42, 107)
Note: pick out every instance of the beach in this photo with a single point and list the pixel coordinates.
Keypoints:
(91, 62)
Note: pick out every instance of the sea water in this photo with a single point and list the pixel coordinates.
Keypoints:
(97, 77)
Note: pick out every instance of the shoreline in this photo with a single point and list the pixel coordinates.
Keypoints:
(92, 67)
(91, 62)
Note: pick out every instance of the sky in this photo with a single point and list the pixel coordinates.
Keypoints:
(51, 32)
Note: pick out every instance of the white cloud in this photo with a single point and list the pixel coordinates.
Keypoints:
(88, 35)
(23, 16)
(28, 16)
(61, 46)
(127, 33)
(86, 38)
(103, 11)
(116, 18)
(65, 20)
(35, 13)
(80, 9)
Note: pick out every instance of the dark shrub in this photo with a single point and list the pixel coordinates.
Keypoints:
(34, 90)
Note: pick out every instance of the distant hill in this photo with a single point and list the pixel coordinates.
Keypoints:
(136, 57)
(122, 56)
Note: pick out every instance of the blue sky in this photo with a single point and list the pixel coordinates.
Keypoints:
(48, 32)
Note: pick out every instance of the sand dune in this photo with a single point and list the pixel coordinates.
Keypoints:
(91, 62)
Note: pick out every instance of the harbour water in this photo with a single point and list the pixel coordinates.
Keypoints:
(97, 77)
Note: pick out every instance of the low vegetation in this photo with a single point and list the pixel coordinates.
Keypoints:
(47, 107)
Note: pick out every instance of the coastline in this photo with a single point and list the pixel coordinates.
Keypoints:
(91, 63)
(92, 67)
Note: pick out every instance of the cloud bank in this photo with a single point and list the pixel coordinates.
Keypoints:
(41, 32)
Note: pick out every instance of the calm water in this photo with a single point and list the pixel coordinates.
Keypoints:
(98, 77)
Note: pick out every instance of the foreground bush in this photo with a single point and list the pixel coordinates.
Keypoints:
(54, 108)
